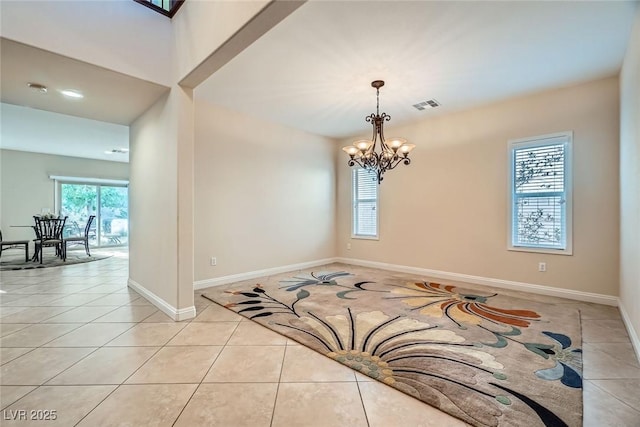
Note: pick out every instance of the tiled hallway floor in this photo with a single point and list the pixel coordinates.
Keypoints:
(77, 341)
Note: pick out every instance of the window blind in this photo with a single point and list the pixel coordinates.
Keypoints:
(539, 194)
(365, 203)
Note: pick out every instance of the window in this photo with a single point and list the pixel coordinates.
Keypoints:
(540, 194)
(108, 200)
(365, 204)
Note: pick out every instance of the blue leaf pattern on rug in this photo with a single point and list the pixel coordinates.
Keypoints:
(568, 362)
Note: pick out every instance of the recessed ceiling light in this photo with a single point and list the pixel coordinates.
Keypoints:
(108, 152)
(72, 93)
(38, 87)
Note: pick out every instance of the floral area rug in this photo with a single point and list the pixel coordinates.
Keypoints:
(488, 359)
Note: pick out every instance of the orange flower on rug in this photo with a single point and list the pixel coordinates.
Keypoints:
(488, 359)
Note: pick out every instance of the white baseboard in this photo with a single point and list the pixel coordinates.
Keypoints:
(487, 281)
(217, 281)
(165, 307)
(479, 280)
(633, 334)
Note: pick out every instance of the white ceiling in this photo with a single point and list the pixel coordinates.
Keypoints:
(29, 129)
(109, 96)
(54, 124)
(313, 70)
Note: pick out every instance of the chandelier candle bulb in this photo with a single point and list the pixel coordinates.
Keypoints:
(406, 148)
(350, 150)
(387, 157)
(396, 143)
(363, 145)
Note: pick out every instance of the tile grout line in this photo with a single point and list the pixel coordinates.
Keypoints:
(275, 400)
(619, 400)
(15, 358)
(98, 404)
(22, 397)
(152, 356)
(364, 408)
(121, 384)
(206, 373)
(64, 294)
(77, 361)
(43, 322)
(225, 345)
(195, 390)
(70, 307)
(73, 364)
(100, 347)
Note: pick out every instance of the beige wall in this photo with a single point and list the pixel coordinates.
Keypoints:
(26, 187)
(161, 200)
(199, 29)
(630, 181)
(448, 210)
(184, 113)
(153, 236)
(264, 194)
(162, 157)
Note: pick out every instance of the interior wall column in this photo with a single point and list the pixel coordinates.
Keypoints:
(184, 114)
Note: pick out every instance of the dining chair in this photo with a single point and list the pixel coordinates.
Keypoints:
(49, 233)
(14, 244)
(80, 239)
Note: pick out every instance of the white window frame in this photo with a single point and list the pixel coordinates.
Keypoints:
(354, 208)
(537, 141)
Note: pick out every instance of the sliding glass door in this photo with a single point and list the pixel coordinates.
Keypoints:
(107, 202)
(78, 202)
(113, 215)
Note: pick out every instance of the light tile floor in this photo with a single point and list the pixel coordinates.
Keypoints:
(77, 341)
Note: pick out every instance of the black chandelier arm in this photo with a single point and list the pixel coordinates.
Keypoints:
(353, 162)
(404, 160)
(377, 161)
(372, 118)
(384, 117)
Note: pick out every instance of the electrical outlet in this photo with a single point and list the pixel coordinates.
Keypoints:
(542, 266)
(214, 261)
(348, 246)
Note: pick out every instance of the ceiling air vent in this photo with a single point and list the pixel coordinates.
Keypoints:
(432, 103)
(117, 151)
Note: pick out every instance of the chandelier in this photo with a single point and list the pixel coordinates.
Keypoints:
(391, 152)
